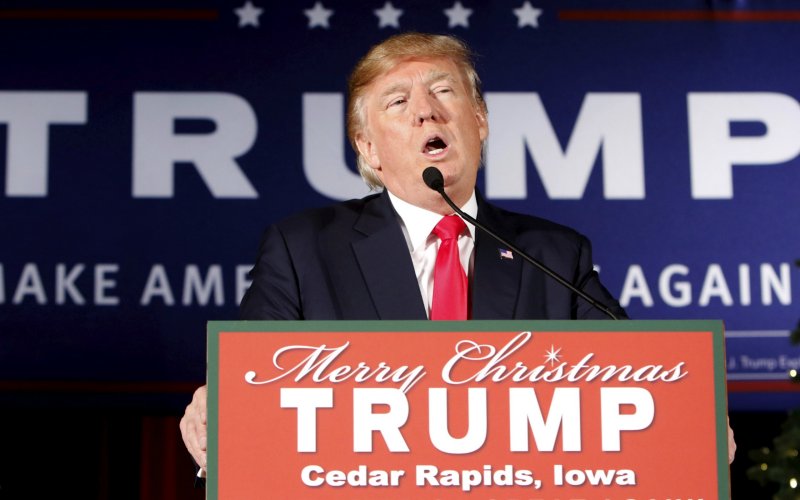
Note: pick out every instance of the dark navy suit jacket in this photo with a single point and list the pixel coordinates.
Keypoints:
(351, 262)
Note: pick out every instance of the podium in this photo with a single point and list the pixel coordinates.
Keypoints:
(479, 409)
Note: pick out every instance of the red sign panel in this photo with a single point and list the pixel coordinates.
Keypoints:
(520, 410)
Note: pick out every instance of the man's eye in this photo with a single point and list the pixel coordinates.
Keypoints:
(397, 102)
(442, 90)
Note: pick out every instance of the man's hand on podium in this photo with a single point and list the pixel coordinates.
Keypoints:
(731, 443)
(194, 427)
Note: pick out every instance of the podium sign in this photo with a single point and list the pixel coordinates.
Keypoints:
(489, 409)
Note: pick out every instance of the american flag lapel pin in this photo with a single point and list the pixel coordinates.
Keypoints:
(505, 253)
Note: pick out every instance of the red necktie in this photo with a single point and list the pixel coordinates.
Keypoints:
(449, 278)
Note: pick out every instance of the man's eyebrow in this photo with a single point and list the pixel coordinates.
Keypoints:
(437, 76)
(397, 87)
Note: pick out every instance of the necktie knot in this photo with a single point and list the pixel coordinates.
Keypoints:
(450, 227)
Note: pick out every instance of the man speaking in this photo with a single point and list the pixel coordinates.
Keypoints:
(414, 102)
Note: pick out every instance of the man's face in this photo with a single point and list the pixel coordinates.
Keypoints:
(422, 113)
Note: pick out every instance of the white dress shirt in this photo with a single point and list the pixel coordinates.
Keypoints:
(417, 225)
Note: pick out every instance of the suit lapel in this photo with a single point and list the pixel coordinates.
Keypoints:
(386, 264)
(496, 282)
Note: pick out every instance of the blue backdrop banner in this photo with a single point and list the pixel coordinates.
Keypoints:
(144, 148)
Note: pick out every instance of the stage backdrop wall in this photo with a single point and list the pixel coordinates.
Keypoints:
(144, 148)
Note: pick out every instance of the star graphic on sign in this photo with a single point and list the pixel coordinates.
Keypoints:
(457, 15)
(527, 15)
(318, 16)
(552, 355)
(248, 14)
(388, 15)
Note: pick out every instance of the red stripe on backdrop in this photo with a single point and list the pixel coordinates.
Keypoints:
(97, 387)
(680, 15)
(763, 386)
(111, 14)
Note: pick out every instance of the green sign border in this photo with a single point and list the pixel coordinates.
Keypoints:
(715, 327)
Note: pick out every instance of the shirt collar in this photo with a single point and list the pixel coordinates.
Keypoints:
(419, 222)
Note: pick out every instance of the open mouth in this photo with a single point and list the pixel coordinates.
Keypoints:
(435, 146)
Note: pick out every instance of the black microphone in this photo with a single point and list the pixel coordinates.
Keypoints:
(433, 178)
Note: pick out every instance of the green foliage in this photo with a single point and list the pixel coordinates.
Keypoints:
(781, 464)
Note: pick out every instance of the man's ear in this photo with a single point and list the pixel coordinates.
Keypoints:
(483, 124)
(368, 151)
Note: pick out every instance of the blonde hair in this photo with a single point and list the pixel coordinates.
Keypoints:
(382, 58)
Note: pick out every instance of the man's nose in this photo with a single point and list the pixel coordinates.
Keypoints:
(425, 109)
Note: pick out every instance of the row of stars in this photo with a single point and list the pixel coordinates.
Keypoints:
(389, 15)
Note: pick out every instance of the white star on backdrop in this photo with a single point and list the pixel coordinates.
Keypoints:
(248, 14)
(318, 16)
(388, 15)
(527, 15)
(552, 355)
(457, 15)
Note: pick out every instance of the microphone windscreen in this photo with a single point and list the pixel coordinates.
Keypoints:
(433, 178)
